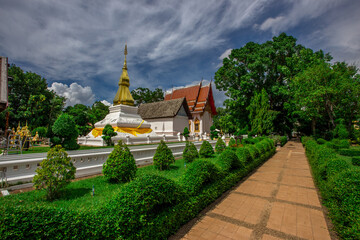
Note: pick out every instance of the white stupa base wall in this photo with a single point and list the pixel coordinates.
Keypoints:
(129, 139)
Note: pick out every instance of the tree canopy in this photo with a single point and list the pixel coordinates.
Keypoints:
(145, 95)
(30, 100)
(85, 117)
(326, 93)
(291, 76)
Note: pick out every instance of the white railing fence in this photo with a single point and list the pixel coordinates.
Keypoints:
(91, 163)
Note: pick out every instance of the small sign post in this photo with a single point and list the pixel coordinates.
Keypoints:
(5, 193)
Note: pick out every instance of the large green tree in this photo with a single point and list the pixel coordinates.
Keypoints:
(260, 115)
(81, 116)
(222, 120)
(269, 66)
(324, 93)
(145, 95)
(85, 117)
(30, 100)
(98, 112)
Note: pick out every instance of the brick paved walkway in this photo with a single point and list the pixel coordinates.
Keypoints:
(278, 201)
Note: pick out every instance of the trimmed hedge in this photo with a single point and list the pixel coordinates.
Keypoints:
(349, 152)
(321, 141)
(332, 167)
(149, 207)
(283, 140)
(228, 161)
(339, 185)
(244, 155)
(137, 203)
(199, 174)
(254, 152)
(338, 144)
(355, 161)
(345, 202)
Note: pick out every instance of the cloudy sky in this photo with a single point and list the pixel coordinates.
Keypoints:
(78, 45)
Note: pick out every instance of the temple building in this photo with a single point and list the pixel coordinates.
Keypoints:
(166, 117)
(123, 117)
(201, 104)
(191, 107)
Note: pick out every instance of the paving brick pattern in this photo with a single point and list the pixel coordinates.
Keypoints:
(278, 201)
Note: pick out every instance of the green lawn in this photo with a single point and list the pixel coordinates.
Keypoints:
(77, 195)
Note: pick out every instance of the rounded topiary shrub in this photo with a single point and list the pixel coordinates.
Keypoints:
(107, 133)
(321, 141)
(197, 175)
(186, 133)
(244, 155)
(163, 157)
(120, 165)
(206, 150)
(65, 131)
(220, 146)
(138, 203)
(55, 173)
(260, 147)
(190, 152)
(228, 161)
(232, 142)
(254, 152)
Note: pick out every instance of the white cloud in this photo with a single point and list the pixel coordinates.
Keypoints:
(78, 40)
(74, 93)
(299, 11)
(106, 103)
(224, 55)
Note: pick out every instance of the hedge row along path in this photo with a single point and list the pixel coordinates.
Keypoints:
(278, 201)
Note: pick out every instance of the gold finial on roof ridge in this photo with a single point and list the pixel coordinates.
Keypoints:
(123, 95)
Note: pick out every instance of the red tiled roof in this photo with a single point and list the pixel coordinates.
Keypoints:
(195, 94)
(204, 93)
(190, 93)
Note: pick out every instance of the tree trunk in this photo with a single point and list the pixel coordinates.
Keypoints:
(313, 126)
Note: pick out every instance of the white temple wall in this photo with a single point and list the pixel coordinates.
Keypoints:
(207, 122)
(180, 122)
(162, 125)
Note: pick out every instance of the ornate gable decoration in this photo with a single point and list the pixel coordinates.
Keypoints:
(198, 97)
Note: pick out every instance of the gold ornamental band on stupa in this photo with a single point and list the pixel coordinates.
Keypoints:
(123, 95)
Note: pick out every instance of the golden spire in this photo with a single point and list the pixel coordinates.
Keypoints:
(123, 95)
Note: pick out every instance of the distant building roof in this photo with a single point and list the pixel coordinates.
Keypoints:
(197, 97)
(163, 109)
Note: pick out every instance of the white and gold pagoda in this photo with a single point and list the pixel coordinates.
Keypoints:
(123, 117)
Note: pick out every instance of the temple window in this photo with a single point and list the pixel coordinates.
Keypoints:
(189, 125)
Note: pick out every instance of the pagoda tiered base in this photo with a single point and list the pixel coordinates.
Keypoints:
(128, 125)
